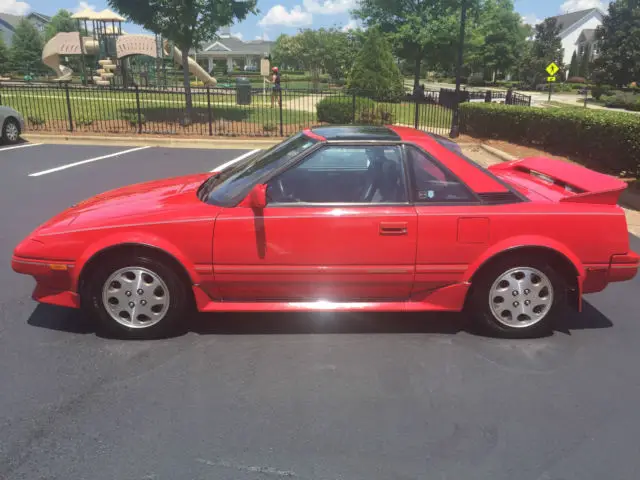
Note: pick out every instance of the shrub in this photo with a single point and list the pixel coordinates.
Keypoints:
(375, 73)
(599, 90)
(476, 80)
(132, 118)
(576, 80)
(269, 127)
(606, 141)
(339, 111)
(83, 121)
(35, 120)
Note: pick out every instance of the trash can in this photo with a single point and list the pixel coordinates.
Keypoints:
(243, 91)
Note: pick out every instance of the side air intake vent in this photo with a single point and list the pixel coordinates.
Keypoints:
(499, 198)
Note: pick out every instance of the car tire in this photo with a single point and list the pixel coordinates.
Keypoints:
(11, 131)
(517, 297)
(138, 297)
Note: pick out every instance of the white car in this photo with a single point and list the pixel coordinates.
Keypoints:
(12, 124)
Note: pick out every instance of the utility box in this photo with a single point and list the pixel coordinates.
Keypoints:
(243, 91)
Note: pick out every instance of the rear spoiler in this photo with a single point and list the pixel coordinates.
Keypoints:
(582, 184)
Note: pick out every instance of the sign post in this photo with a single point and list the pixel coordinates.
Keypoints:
(264, 71)
(551, 69)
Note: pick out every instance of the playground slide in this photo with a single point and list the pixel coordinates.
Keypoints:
(194, 68)
(66, 43)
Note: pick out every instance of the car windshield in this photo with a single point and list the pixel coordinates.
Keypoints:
(232, 184)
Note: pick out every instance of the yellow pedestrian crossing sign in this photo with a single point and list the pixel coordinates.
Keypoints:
(552, 69)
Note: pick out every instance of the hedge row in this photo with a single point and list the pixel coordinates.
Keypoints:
(340, 111)
(606, 141)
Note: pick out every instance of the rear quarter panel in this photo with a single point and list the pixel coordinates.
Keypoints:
(449, 250)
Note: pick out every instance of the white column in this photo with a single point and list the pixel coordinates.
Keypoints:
(210, 63)
(229, 63)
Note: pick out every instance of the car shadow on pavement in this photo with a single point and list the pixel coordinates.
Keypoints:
(75, 321)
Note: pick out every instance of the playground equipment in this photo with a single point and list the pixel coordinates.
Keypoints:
(112, 47)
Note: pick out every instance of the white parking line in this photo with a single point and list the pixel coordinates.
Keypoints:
(89, 160)
(235, 160)
(25, 145)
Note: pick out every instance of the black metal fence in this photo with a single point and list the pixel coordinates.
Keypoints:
(248, 111)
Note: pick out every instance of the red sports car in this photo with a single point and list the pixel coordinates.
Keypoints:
(340, 219)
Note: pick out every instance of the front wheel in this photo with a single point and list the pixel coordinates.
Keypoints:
(10, 131)
(138, 297)
(518, 298)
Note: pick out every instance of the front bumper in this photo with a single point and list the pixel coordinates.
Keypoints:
(54, 280)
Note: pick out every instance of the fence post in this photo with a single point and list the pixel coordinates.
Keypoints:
(66, 91)
(416, 117)
(209, 116)
(138, 108)
(280, 101)
(353, 107)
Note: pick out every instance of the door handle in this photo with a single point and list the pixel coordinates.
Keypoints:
(398, 228)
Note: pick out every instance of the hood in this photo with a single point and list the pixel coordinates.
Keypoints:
(152, 200)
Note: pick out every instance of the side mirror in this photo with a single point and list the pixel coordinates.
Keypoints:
(257, 197)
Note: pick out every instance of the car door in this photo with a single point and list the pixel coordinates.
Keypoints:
(453, 227)
(337, 226)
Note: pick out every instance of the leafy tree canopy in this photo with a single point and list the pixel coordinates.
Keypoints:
(26, 48)
(60, 22)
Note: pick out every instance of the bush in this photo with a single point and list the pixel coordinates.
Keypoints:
(599, 90)
(375, 73)
(83, 121)
(132, 118)
(576, 80)
(476, 80)
(339, 111)
(36, 120)
(625, 100)
(606, 141)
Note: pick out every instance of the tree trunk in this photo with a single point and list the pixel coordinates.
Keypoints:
(416, 72)
(187, 86)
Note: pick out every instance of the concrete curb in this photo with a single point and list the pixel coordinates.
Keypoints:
(629, 198)
(217, 143)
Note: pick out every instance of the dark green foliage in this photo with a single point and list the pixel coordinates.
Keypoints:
(585, 62)
(375, 73)
(4, 56)
(573, 67)
(546, 48)
(606, 141)
(626, 100)
(476, 80)
(26, 49)
(60, 22)
(599, 90)
(340, 111)
(619, 43)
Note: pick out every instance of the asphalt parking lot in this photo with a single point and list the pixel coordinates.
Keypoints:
(387, 396)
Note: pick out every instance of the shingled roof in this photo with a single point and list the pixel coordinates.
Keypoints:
(566, 20)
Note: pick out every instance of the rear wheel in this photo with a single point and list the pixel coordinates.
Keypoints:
(518, 298)
(138, 297)
(10, 131)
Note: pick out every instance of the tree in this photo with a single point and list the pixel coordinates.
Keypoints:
(375, 73)
(26, 48)
(416, 29)
(186, 23)
(60, 22)
(545, 48)
(501, 36)
(4, 56)
(618, 40)
(585, 62)
(574, 70)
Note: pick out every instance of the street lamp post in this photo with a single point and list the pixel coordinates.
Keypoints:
(455, 119)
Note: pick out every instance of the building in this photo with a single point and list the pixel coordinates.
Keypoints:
(8, 24)
(237, 54)
(577, 29)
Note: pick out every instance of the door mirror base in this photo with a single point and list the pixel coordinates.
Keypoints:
(256, 198)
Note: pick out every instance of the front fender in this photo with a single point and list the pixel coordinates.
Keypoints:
(134, 238)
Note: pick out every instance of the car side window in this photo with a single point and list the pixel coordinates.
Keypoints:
(343, 174)
(431, 183)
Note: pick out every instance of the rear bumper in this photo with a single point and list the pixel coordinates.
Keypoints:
(619, 269)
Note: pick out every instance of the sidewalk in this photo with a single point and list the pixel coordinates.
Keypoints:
(486, 156)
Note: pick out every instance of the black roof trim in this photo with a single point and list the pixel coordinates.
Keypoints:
(356, 132)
